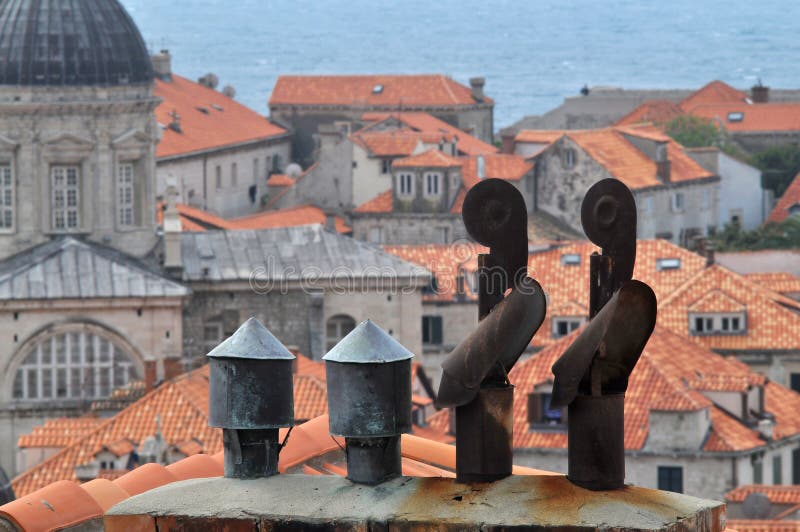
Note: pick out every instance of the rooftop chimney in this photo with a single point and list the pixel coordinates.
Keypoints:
(508, 142)
(162, 65)
(759, 93)
(477, 88)
(173, 260)
(369, 401)
(250, 398)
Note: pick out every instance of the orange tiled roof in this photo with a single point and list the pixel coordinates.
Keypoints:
(396, 142)
(790, 198)
(539, 136)
(775, 494)
(770, 324)
(781, 282)
(415, 90)
(716, 301)
(661, 380)
(289, 217)
(564, 284)
(762, 525)
(755, 116)
(426, 123)
(280, 180)
(59, 432)
(208, 119)
(432, 158)
(194, 219)
(654, 111)
(713, 93)
(182, 406)
(497, 165)
(310, 450)
(622, 159)
(383, 202)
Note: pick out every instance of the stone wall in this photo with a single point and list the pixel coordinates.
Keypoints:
(42, 127)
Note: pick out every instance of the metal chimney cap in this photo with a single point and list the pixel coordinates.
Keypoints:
(368, 344)
(252, 341)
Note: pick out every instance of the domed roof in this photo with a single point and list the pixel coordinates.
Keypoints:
(70, 42)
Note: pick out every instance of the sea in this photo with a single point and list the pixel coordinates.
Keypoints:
(533, 54)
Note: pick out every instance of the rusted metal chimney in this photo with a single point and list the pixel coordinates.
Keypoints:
(369, 401)
(475, 375)
(591, 377)
(250, 398)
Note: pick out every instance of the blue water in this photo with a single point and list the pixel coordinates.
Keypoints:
(533, 53)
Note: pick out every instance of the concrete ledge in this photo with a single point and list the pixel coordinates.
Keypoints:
(299, 502)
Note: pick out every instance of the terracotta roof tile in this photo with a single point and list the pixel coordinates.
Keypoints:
(392, 143)
(612, 150)
(104, 492)
(781, 282)
(396, 91)
(657, 112)
(770, 322)
(497, 165)
(59, 432)
(196, 466)
(432, 158)
(712, 93)
(539, 136)
(716, 301)
(662, 380)
(182, 405)
(762, 525)
(208, 119)
(754, 116)
(426, 123)
(280, 180)
(383, 202)
(57, 506)
(790, 198)
(775, 494)
(289, 217)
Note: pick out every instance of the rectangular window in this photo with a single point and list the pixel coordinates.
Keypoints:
(65, 198)
(432, 330)
(405, 185)
(698, 324)
(706, 199)
(375, 235)
(6, 197)
(758, 471)
(551, 416)
(796, 466)
(234, 174)
(255, 170)
(432, 184)
(794, 381)
(386, 166)
(777, 470)
(562, 326)
(569, 158)
(218, 172)
(735, 324)
(726, 324)
(125, 196)
(670, 478)
(677, 202)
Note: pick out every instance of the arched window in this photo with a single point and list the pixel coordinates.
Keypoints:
(72, 365)
(337, 328)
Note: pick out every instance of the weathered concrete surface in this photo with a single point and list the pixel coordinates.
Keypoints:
(298, 502)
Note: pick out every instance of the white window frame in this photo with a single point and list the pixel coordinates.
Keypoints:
(720, 323)
(126, 194)
(433, 184)
(647, 205)
(7, 198)
(65, 197)
(405, 185)
(86, 364)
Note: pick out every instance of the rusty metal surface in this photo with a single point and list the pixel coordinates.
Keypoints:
(613, 341)
(596, 442)
(499, 339)
(608, 217)
(475, 374)
(489, 418)
(591, 377)
(250, 453)
(373, 460)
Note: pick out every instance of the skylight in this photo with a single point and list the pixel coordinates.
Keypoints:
(735, 117)
(668, 264)
(570, 259)
(377, 89)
